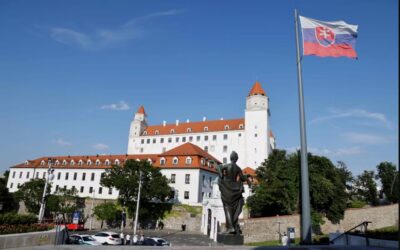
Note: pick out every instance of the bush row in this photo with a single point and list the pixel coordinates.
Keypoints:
(17, 219)
(13, 229)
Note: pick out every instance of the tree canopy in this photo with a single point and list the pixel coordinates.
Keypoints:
(7, 199)
(278, 188)
(108, 212)
(154, 193)
(31, 193)
(365, 188)
(389, 177)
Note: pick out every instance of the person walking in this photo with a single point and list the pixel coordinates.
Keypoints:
(128, 239)
(284, 239)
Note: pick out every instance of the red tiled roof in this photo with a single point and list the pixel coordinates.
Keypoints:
(141, 110)
(249, 171)
(257, 89)
(189, 149)
(196, 127)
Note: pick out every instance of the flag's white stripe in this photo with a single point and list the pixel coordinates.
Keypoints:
(339, 27)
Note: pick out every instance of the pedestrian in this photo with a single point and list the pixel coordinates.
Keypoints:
(284, 240)
(141, 238)
(128, 239)
(135, 239)
(122, 238)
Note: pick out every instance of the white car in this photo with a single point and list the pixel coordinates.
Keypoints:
(84, 240)
(108, 238)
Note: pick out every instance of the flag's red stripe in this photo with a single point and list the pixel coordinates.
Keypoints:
(335, 50)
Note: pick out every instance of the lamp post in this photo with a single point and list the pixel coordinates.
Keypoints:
(137, 205)
(50, 177)
(91, 213)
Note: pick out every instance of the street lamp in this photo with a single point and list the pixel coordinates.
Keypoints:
(137, 205)
(50, 177)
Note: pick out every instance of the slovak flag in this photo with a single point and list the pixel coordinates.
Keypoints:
(328, 38)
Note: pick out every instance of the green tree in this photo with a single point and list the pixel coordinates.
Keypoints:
(277, 191)
(65, 201)
(278, 188)
(365, 188)
(31, 194)
(8, 202)
(154, 188)
(389, 178)
(107, 211)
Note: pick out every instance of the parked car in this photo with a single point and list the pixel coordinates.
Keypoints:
(84, 239)
(154, 241)
(108, 238)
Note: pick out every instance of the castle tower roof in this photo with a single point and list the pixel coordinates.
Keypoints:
(141, 110)
(257, 89)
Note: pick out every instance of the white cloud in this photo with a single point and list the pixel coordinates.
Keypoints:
(329, 152)
(362, 138)
(100, 146)
(353, 113)
(104, 38)
(122, 105)
(62, 142)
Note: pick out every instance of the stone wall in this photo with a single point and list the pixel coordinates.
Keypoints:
(266, 229)
(180, 215)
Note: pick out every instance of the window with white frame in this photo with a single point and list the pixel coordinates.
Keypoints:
(20, 175)
(188, 130)
(226, 127)
(64, 163)
(225, 149)
(89, 162)
(175, 161)
(97, 162)
(186, 195)
(57, 162)
(42, 163)
(173, 176)
(80, 163)
(187, 178)
(117, 162)
(172, 131)
(72, 163)
(205, 129)
(157, 132)
(107, 162)
(162, 161)
(241, 126)
(149, 161)
(188, 160)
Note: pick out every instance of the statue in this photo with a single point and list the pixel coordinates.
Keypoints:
(230, 184)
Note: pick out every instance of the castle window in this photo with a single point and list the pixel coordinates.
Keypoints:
(107, 162)
(183, 139)
(225, 137)
(141, 150)
(162, 140)
(206, 137)
(177, 139)
(13, 175)
(226, 127)
(164, 149)
(202, 161)
(83, 176)
(66, 175)
(198, 138)
(186, 195)
(175, 161)
(188, 130)
(80, 163)
(98, 162)
(89, 162)
(149, 161)
(42, 162)
(27, 175)
(157, 132)
(187, 178)
(172, 131)
(225, 149)
(188, 160)
(170, 140)
(162, 161)
(57, 163)
(205, 129)
(92, 177)
(117, 162)
(142, 141)
(206, 148)
(255, 135)
(241, 126)
(58, 175)
(154, 140)
(148, 141)
(75, 176)
(173, 176)
(240, 134)
(190, 138)
(26, 162)
(72, 163)
(214, 137)
(225, 160)
(64, 163)
(100, 190)
(144, 132)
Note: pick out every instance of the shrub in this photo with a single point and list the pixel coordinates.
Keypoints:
(12, 229)
(17, 219)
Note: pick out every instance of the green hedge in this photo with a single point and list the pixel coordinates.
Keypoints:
(13, 229)
(17, 219)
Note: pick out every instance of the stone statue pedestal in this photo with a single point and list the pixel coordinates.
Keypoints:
(230, 239)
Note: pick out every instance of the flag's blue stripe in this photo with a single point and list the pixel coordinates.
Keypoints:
(350, 39)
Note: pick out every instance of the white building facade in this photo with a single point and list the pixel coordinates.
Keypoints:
(250, 136)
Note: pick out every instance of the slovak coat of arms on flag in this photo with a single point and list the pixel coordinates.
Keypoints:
(324, 39)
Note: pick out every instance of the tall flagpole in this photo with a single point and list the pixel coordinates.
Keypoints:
(305, 192)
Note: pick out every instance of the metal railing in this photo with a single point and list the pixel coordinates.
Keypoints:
(363, 225)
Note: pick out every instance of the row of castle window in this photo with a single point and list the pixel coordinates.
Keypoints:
(189, 130)
(188, 161)
(190, 139)
(80, 162)
(173, 178)
(82, 189)
(92, 176)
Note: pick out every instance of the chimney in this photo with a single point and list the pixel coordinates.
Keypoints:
(177, 122)
(187, 121)
(204, 118)
(164, 123)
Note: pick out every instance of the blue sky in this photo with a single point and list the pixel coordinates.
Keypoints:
(72, 74)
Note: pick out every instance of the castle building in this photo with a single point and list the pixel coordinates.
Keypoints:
(250, 136)
(186, 153)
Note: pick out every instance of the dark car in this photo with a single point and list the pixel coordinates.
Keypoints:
(154, 242)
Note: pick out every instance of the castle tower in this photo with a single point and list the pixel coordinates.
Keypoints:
(256, 127)
(138, 125)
